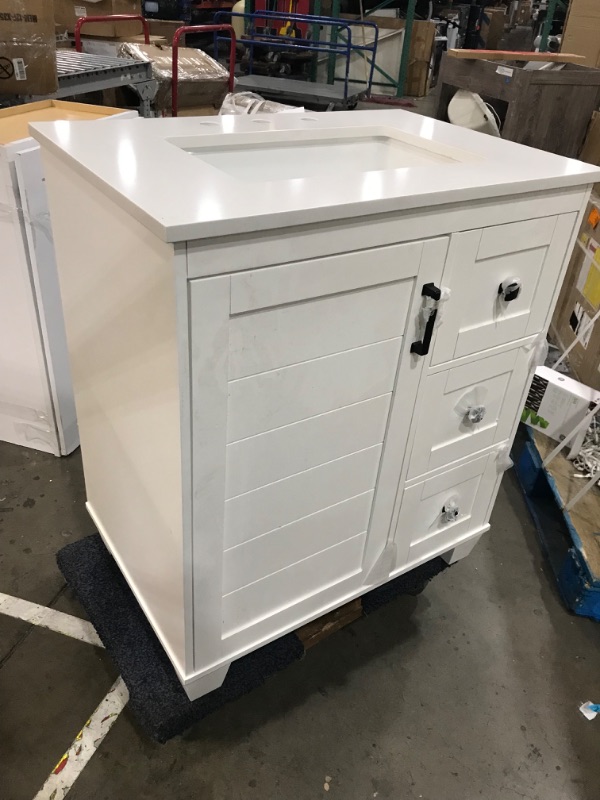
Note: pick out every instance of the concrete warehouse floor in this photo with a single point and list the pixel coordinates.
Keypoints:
(470, 690)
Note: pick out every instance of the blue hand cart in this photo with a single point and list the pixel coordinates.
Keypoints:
(261, 33)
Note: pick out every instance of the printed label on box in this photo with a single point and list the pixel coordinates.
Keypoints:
(20, 69)
(580, 325)
(592, 246)
(80, 11)
(585, 330)
(591, 289)
(506, 71)
(583, 275)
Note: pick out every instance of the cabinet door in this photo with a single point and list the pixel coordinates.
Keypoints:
(478, 314)
(298, 432)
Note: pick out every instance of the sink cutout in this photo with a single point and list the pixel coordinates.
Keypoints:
(289, 155)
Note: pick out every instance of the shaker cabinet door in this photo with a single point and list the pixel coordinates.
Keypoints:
(294, 372)
(502, 280)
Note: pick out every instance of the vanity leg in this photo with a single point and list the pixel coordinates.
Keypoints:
(461, 550)
(204, 684)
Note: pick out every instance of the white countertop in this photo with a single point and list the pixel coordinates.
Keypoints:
(180, 196)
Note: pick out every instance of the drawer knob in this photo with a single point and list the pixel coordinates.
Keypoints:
(475, 413)
(451, 511)
(510, 289)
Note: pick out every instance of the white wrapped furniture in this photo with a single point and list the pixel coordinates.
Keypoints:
(36, 395)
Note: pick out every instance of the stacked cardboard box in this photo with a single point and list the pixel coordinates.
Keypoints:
(67, 12)
(580, 300)
(27, 48)
(165, 27)
(582, 31)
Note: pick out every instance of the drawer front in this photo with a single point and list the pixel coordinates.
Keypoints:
(468, 408)
(478, 315)
(439, 511)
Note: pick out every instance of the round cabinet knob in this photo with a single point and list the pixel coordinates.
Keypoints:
(475, 413)
(450, 511)
(510, 289)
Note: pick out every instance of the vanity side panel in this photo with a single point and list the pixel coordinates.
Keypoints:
(26, 411)
(118, 291)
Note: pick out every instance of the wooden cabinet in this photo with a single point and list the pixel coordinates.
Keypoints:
(278, 413)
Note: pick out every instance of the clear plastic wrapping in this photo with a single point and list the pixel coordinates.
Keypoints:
(202, 80)
(251, 103)
(27, 48)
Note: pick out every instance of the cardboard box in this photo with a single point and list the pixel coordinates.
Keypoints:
(67, 12)
(199, 111)
(421, 50)
(111, 47)
(523, 13)
(579, 301)
(27, 48)
(202, 80)
(582, 31)
(590, 152)
(556, 404)
(165, 27)
(492, 28)
(63, 40)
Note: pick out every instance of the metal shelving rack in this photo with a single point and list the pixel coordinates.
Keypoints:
(293, 90)
(410, 15)
(547, 25)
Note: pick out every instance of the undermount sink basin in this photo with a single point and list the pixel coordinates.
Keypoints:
(286, 155)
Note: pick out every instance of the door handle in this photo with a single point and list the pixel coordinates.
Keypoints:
(432, 296)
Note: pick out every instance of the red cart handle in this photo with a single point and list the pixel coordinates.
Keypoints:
(175, 67)
(110, 18)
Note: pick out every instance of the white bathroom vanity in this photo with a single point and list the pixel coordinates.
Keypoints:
(300, 346)
(37, 409)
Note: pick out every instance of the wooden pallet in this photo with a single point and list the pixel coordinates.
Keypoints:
(314, 632)
(569, 540)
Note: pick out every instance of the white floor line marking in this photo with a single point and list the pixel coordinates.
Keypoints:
(85, 744)
(49, 618)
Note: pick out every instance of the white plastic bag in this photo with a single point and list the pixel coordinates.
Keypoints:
(251, 103)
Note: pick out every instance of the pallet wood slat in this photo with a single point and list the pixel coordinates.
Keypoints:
(314, 632)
